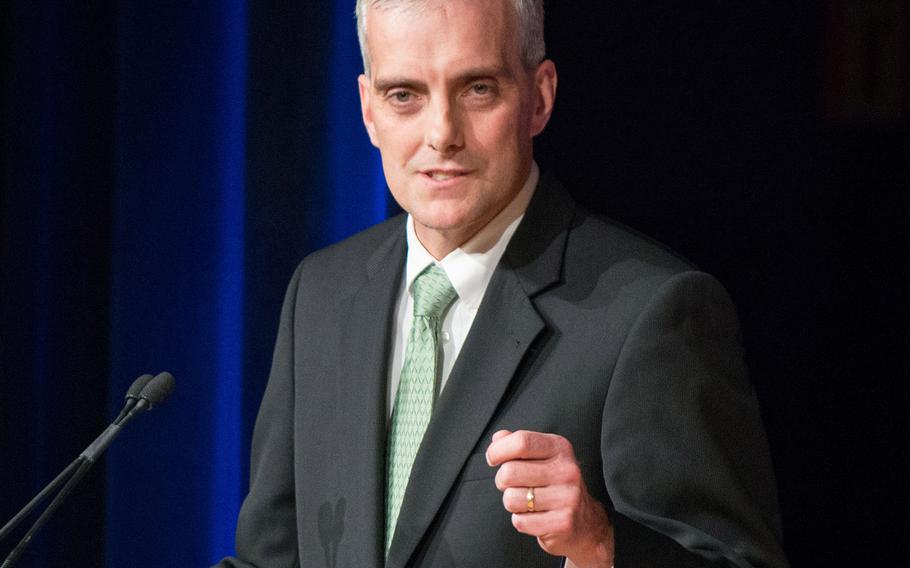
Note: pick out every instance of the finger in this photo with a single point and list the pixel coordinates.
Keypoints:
(525, 445)
(498, 435)
(515, 499)
(544, 524)
(527, 473)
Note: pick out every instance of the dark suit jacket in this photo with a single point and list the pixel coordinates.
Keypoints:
(586, 330)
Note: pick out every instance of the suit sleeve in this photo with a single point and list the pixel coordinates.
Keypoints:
(267, 527)
(685, 458)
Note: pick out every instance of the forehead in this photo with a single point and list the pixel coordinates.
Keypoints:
(441, 35)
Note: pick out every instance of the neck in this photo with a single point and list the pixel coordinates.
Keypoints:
(440, 243)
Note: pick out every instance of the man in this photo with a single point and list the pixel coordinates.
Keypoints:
(498, 379)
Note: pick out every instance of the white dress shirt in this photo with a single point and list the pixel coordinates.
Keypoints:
(469, 268)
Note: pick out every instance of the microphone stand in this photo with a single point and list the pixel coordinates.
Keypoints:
(83, 468)
(52, 486)
(74, 472)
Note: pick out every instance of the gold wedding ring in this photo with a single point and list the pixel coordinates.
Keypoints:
(530, 497)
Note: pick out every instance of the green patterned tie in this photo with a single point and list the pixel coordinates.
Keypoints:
(417, 389)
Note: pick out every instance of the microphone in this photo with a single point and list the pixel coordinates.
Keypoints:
(155, 392)
(132, 395)
(145, 393)
(152, 393)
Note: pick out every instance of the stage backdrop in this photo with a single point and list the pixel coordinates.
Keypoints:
(169, 165)
(166, 164)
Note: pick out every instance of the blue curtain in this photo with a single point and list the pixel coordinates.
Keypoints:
(57, 88)
(164, 166)
(169, 165)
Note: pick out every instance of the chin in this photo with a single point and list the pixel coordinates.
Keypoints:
(444, 217)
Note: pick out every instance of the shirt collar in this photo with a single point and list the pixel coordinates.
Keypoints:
(470, 266)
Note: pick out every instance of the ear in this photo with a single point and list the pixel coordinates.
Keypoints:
(545, 94)
(366, 111)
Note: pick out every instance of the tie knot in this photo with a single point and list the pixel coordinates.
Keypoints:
(432, 292)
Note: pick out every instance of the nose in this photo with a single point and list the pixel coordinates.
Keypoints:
(444, 133)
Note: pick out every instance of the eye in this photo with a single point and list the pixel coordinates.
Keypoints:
(400, 97)
(481, 93)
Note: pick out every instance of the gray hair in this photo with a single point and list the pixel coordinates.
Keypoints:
(530, 27)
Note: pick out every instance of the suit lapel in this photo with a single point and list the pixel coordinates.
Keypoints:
(368, 334)
(505, 326)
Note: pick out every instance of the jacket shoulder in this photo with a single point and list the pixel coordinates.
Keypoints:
(355, 256)
(592, 238)
(600, 244)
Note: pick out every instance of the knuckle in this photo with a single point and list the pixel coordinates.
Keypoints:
(565, 523)
(573, 496)
(549, 546)
(523, 440)
(573, 475)
(545, 544)
(565, 448)
(500, 484)
(506, 474)
(511, 501)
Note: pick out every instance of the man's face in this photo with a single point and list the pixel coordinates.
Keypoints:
(453, 112)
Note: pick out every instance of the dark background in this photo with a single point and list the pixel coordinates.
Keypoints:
(732, 134)
(767, 144)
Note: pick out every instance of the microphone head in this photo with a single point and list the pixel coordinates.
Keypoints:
(137, 386)
(157, 389)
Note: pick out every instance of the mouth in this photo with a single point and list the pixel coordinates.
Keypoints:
(441, 175)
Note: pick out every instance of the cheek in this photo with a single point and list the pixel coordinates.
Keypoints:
(398, 131)
(494, 127)
(500, 133)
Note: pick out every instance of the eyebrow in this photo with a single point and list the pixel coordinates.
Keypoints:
(496, 71)
(385, 84)
(466, 76)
